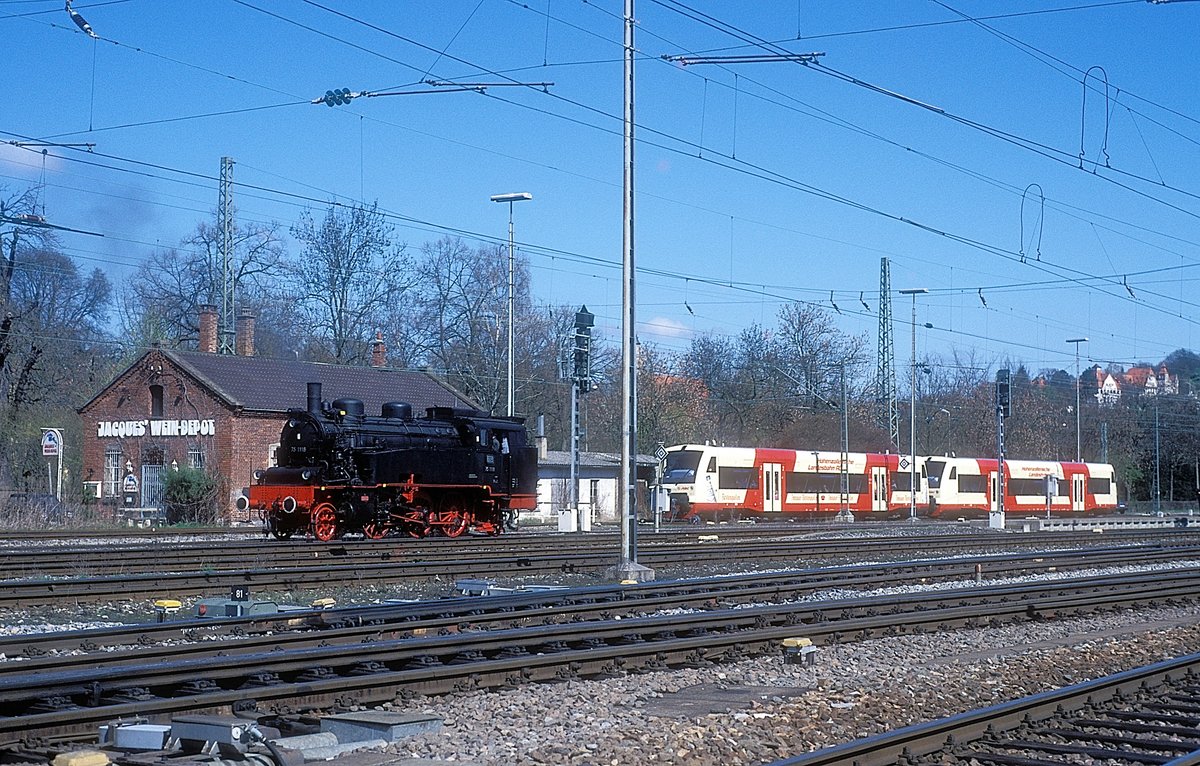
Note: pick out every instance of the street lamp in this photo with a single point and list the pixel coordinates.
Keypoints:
(512, 301)
(912, 408)
(949, 423)
(1078, 447)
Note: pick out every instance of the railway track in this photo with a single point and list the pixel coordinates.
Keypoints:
(173, 555)
(151, 640)
(491, 652)
(139, 573)
(1150, 715)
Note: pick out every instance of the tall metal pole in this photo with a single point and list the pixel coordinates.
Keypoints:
(512, 307)
(1157, 453)
(512, 294)
(1078, 442)
(912, 408)
(912, 419)
(628, 568)
(226, 340)
(844, 514)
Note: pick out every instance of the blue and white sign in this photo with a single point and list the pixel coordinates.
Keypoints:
(51, 442)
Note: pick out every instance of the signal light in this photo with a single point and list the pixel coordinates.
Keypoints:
(1003, 393)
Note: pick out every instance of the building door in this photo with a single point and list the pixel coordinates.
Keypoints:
(879, 488)
(1078, 485)
(771, 486)
(152, 488)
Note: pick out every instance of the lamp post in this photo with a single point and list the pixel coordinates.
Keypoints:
(512, 301)
(1078, 446)
(912, 407)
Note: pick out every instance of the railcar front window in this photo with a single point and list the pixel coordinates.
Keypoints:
(681, 467)
(935, 469)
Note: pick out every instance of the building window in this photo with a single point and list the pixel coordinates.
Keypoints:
(196, 457)
(156, 401)
(112, 470)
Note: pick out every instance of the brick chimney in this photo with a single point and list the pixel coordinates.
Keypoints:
(378, 351)
(208, 328)
(243, 344)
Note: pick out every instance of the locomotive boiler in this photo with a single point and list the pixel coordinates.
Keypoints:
(342, 471)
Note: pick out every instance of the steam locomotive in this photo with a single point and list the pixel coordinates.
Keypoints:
(341, 471)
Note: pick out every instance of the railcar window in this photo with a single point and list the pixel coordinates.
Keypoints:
(1033, 487)
(934, 469)
(1099, 486)
(712, 464)
(681, 467)
(737, 478)
(828, 483)
(901, 481)
(972, 483)
(953, 472)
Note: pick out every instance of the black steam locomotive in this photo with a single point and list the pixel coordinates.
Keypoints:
(341, 471)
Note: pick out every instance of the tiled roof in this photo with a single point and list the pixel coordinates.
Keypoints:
(276, 385)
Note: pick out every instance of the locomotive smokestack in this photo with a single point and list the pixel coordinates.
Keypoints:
(314, 398)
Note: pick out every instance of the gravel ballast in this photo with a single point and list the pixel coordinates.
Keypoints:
(853, 691)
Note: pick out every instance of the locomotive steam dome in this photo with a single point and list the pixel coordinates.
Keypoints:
(351, 409)
(398, 410)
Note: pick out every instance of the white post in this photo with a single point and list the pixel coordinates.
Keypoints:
(912, 408)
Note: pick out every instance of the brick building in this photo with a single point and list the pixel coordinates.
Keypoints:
(219, 412)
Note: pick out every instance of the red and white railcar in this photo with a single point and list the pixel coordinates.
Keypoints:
(708, 482)
(720, 483)
(966, 487)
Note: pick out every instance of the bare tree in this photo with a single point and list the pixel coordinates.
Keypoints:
(163, 305)
(348, 278)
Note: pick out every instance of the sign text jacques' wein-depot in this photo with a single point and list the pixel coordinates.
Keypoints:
(127, 428)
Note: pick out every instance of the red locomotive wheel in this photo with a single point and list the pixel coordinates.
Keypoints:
(453, 519)
(376, 530)
(324, 522)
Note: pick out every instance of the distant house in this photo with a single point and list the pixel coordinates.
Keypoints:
(598, 480)
(1141, 380)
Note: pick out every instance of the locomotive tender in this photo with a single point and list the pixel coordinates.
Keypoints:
(725, 483)
(341, 471)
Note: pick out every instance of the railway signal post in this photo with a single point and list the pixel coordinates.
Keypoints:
(1003, 410)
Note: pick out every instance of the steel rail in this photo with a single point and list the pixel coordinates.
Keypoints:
(713, 590)
(81, 561)
(981, 736)
(360, 623)
(324, 573)
(59, 703)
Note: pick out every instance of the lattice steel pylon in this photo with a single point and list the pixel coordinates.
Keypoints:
(225, 222)
(885, 375)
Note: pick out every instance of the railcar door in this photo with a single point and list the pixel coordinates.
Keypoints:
(1078, 485)
(879, 488)
(771, 487)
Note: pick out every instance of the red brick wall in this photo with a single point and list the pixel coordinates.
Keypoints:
(239, 445)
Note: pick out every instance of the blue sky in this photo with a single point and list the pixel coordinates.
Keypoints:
(756, 183)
